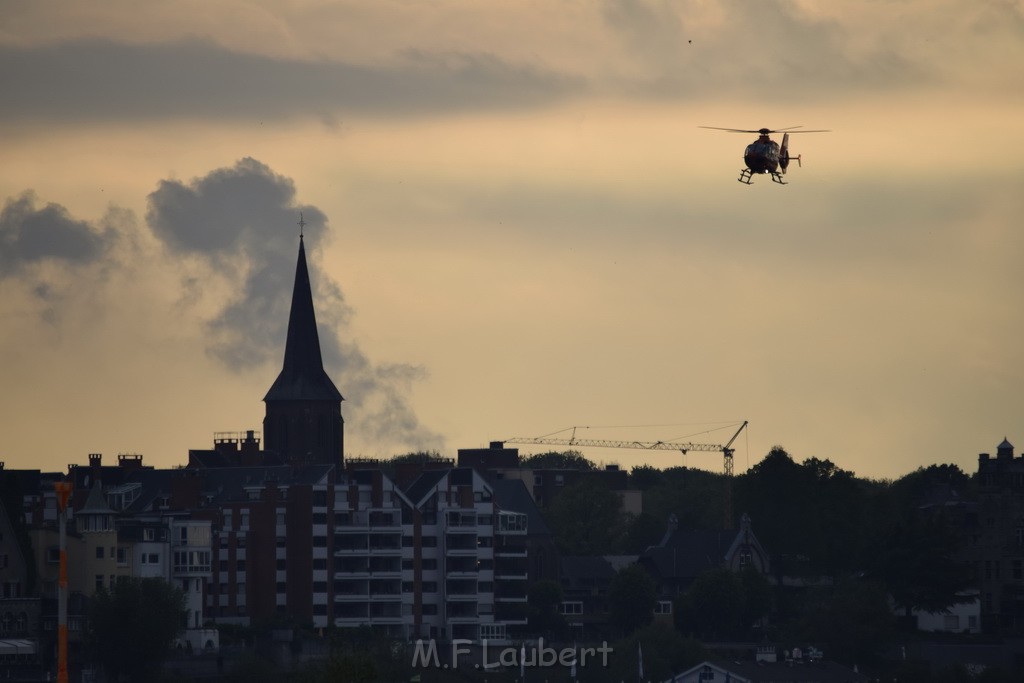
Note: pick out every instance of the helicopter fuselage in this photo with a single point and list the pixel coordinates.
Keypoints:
(762, 155)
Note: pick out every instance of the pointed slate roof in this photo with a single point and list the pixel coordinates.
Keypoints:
(95, 503)
(303, 377)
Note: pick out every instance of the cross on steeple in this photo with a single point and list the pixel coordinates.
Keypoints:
(302, 225)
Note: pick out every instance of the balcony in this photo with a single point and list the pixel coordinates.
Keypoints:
(511, 524)
(192, 562)
(366, 520)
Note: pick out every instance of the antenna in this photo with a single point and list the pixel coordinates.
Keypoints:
(302, 224)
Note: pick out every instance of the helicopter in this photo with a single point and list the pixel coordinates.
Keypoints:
(764, 155)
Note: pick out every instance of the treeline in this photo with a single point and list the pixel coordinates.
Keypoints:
(814, 518)
(849, 545)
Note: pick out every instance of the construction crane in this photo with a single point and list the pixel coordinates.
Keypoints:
(684, 448)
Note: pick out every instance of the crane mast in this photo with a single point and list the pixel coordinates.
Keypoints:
(726, 450)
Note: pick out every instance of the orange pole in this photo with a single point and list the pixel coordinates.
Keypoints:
(63, 490)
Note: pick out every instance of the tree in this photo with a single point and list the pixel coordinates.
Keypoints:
(643, 531)
(852, 619)
(757, 595)
(586, 519)
(644, 477)
(917, 562)
(713, 605)
(132, 626)
(632, 595)
(694, 496)
(555, 460)
(543, 600)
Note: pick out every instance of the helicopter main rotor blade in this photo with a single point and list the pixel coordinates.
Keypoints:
(729, 130)
(767, 131)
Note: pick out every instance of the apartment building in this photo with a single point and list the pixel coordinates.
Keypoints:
(998, 549)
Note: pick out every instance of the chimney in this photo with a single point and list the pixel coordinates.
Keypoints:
(129, 461)
(251, 442)
(225, 443)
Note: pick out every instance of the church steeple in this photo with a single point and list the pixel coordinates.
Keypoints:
(303, 420)
(303, 376)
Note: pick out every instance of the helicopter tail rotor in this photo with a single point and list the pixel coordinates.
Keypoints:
(784, 157)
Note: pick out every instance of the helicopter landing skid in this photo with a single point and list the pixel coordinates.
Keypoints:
(746, 175)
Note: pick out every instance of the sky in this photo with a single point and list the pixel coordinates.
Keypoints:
(515, 225)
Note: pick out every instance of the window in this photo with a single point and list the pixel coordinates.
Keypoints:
(663, 607)
(429, 610)
(488, 631)
(154, 558)
(99, 582)
(430, 586)
(99, 552)
(572, 607)
(429, 541)
(429, 563)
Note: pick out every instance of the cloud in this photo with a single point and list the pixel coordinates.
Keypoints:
(776, 51)
(31, 235)
(105, 80)
(239, 223)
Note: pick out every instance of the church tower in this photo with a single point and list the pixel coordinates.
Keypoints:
(303, 422)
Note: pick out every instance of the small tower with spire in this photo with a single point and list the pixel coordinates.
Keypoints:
(303, 422)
